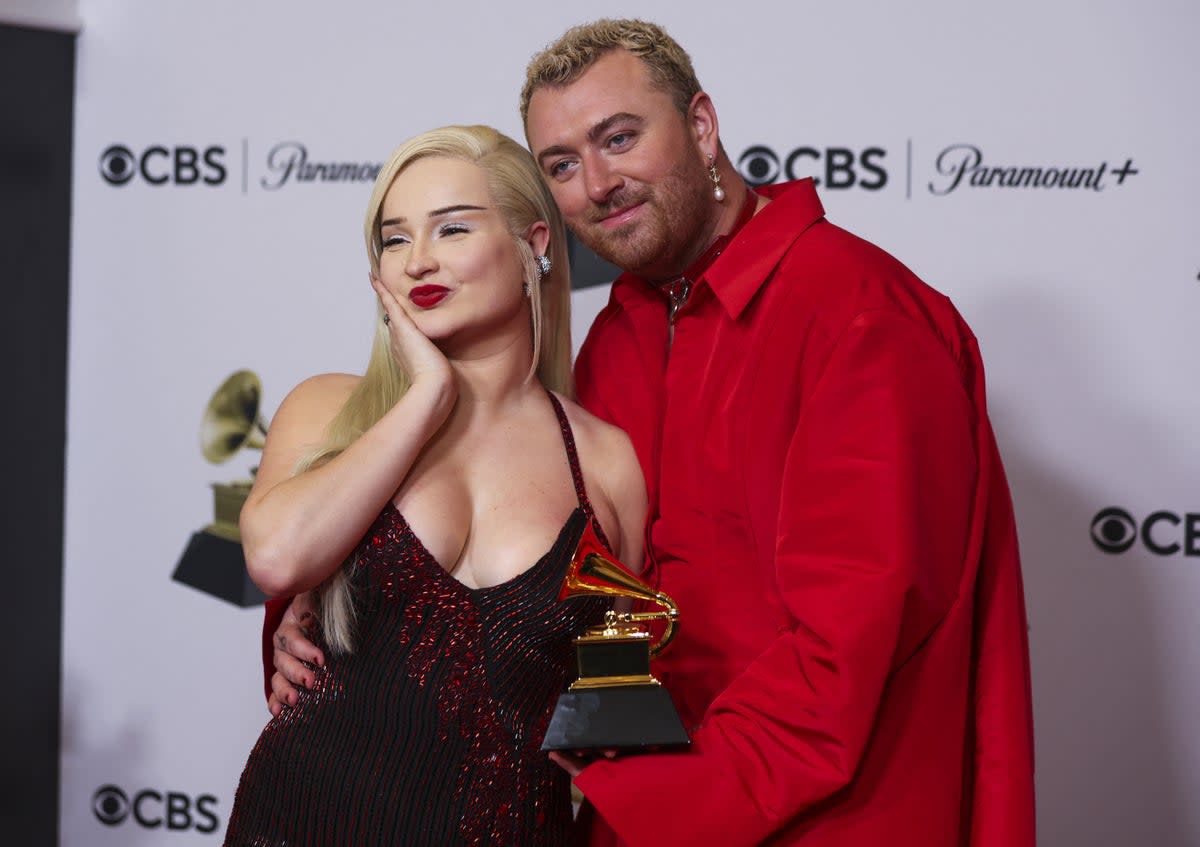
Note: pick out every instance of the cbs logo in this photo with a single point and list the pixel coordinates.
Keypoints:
(1114, 530)
(153, 809)
(160, 165)
(840, 167)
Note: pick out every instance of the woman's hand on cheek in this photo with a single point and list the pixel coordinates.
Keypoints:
(417, 355)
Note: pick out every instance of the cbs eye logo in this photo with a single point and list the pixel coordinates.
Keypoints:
(838, 167)
(154, 809)
(759, 165)
(110, 805)
(158, 165)
(1163, 533)
(118, 165)
(1114, 530)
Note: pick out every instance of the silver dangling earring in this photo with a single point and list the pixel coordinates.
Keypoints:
(543, 267)
(718, 191)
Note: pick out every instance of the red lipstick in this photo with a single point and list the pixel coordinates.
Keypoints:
(427, 296)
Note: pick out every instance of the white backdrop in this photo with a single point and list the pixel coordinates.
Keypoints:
(192, 260)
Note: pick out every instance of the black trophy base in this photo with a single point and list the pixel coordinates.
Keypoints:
(624, 717)
(217, 566)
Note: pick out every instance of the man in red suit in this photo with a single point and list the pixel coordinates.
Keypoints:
(827, 505)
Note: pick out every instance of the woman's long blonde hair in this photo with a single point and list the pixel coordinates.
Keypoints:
(523, 199)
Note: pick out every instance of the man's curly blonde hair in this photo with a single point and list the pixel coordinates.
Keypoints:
(565, 60)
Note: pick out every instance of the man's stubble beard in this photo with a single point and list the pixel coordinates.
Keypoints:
(660, 245)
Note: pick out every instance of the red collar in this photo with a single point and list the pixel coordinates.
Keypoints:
(696, 269)
(747, 263)
(739, 269)
(679, 289)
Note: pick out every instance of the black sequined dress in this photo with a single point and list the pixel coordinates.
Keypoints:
(429, 733)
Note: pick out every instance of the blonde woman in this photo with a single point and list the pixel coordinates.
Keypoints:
(432, 504)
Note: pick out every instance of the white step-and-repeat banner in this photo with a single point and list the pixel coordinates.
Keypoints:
(1038, 162)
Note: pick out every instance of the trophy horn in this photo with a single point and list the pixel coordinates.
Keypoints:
(591, 572)
(231, 419)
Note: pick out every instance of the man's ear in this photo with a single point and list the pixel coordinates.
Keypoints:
(702, 121)
(538, 236)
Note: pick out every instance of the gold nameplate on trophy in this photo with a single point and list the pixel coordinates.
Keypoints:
(228, 499)
(616, 703)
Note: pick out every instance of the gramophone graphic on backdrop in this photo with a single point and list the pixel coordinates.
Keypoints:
(213, 561)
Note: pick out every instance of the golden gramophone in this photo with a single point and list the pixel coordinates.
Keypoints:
(231, 421)
(213, 560)
(616, 703)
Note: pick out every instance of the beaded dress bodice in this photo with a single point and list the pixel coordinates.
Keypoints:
(428, 734)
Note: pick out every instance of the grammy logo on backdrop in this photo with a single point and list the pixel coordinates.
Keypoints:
(213, 561)
(616, 703)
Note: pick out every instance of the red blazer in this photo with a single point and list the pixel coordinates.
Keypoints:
(829, 510)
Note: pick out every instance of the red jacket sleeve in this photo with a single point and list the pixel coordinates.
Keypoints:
(587, 393)
(1003, 807)
(873, 526)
